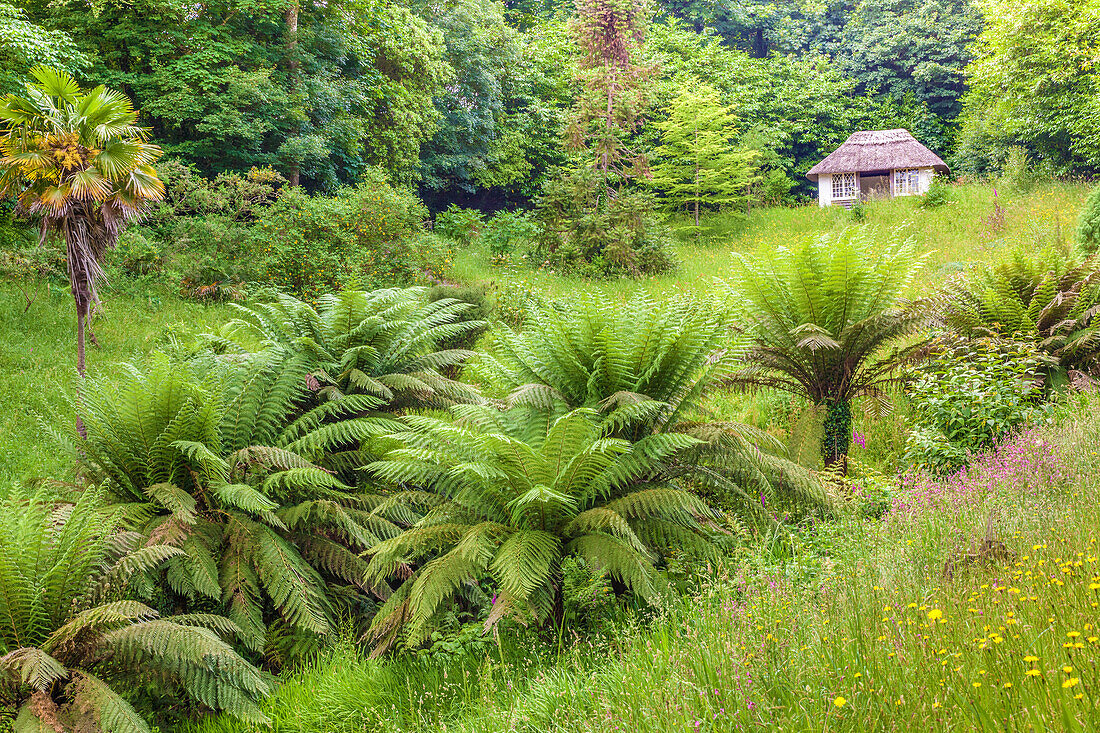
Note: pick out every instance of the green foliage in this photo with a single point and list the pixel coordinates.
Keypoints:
(823, 315)
(1046, 298)
(211, 460)
(1088, 225)
(24, 44)
(696, 165)
(647, 367)
(506, 231)
(967, 398)
(482, 49)
(69, 637)
(913, 52)
(460, 225)
(938, 194)
(595, 232)
(390, 345)
(315, 244)
(507, 496)
(1028, 86)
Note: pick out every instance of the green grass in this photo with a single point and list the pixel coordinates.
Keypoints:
(38, 361)
(957, 234)
(869, 635)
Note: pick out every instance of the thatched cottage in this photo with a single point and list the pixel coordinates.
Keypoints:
(875, 164)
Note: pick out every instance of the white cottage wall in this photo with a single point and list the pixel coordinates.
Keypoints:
(824, 190)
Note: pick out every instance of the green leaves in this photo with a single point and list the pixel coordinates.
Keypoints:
(67, 633)
(1047, 298)
(824, 313)
(235, 519)
(506, 497)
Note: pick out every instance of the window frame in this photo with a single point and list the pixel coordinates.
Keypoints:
(845, 186)
(906, 181)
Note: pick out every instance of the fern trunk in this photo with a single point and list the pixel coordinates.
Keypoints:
(837, 435)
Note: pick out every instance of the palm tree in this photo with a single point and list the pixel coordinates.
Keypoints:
(68, 636)
(505, 496)
(77, 161)
(1046, 298)
(207, 458)
(822, 316)
(662, 359)
(384, 343)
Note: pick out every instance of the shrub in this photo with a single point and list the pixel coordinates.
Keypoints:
(969, 397)
(661, 358)
(938, 194)
(1088, 225)
(506, 231)
(387, 343)
(138, 255)
(775, 188)
(368, 235)
(507, 497)
(858, 212)
(594, 232)
(458, 224)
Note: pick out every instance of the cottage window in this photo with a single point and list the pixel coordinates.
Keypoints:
(845, 185)
(906, 181)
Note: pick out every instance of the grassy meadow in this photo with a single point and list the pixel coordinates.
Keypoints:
(972, 605)
(861, 631)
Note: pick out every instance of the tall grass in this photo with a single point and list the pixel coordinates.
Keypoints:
(864, 632)
(38, 359)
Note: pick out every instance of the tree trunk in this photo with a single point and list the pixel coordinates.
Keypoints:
(294, 166)
(81, 317)
(837, 435)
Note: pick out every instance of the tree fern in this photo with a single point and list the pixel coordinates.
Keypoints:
(66, 636)
(1048, 298)
(170, 442)
(647, 367)
(383, 343)
(828, 321)
(491, 505)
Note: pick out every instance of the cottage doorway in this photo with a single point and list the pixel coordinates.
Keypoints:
(875, 187)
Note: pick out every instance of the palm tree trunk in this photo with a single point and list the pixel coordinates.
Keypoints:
(81, 318)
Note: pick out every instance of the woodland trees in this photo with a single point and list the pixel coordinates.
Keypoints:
(1035, 83)
(696, 164)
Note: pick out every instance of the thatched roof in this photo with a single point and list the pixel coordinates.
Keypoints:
(878, 150)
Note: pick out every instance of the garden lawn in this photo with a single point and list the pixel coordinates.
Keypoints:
(958, 234)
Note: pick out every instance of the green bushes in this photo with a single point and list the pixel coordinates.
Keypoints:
(589, 231)
(968, 398)
(1088, 225)
(213, 460)
(369, 235)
